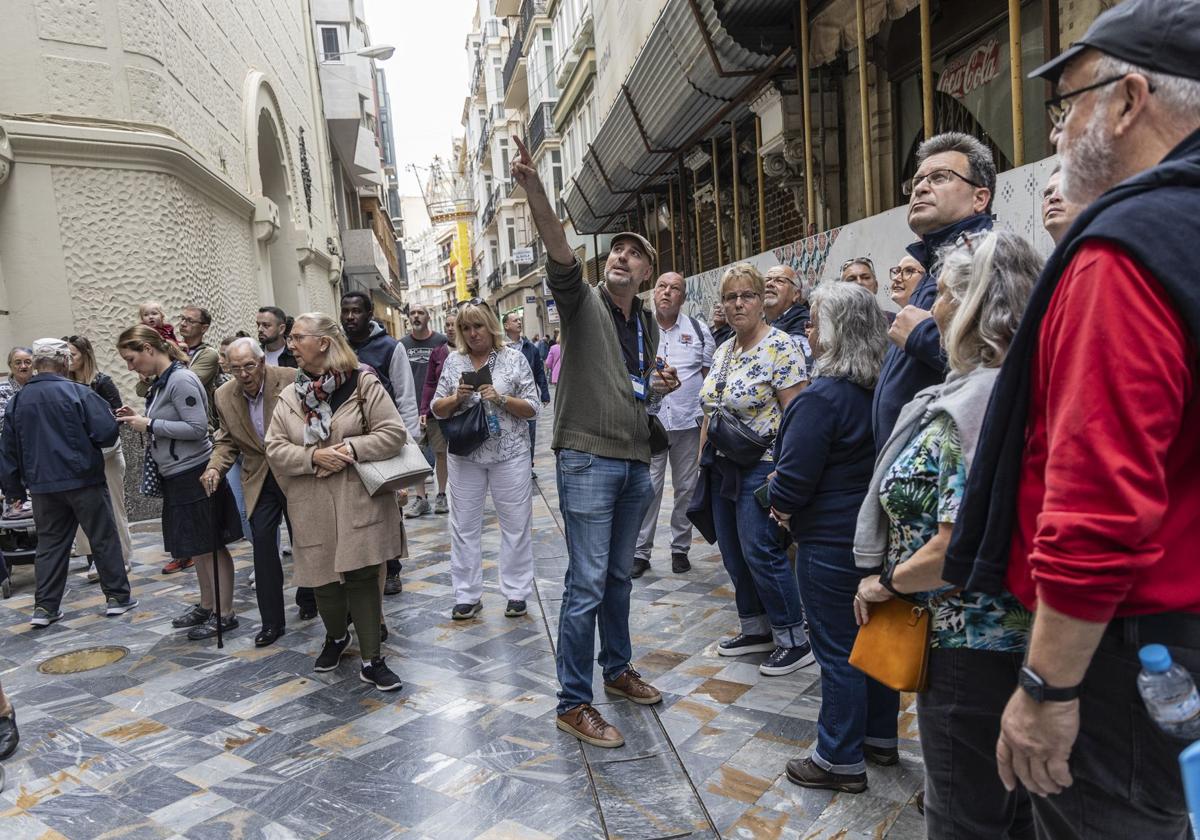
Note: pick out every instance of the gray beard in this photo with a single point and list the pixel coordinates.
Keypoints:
(619, 283)
(1089, 164)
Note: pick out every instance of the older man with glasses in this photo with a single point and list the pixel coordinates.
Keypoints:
(950, 194)
(784, 307)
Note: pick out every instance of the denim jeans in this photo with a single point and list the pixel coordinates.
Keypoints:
(764, 584)
(854, 708)
(235, 484)
(602, 502)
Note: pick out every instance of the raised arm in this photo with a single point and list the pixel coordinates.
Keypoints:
(544, 218)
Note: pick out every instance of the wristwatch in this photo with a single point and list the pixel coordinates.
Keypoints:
(1036, 688)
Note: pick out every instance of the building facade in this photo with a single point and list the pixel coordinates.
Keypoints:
(167, 151)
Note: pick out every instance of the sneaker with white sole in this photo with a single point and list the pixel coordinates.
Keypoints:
(463, 612)
(440, 505)
(378, 674)
(744, 643)
(418, 507)
(784, 660)
(42, 617)
(118, 607)
(331, 654)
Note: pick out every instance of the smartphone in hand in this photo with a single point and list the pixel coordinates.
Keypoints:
(763, 496)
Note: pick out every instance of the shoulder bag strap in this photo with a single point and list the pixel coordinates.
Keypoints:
(362, 405)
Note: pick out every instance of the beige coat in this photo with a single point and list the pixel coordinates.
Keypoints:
(236, 432)
(336, 526)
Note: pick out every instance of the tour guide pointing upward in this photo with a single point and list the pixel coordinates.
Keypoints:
(602, 440)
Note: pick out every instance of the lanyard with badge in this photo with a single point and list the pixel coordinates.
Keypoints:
(639, 381)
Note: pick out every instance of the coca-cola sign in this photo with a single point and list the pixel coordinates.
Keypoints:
(971, 71)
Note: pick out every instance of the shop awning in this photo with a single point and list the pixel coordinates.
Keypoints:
(690, 70)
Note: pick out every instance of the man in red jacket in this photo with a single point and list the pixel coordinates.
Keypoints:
(1103, 539)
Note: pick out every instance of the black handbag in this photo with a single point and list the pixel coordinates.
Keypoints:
(465, 432)
(733, 439)
(659, 442)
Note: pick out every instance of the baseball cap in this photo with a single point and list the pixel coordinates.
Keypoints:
(642, 242)
(51, 348)
(1159, 35)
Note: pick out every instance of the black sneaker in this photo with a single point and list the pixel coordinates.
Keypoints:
(392, 586)
(883, 756)
(744, 643)
(380, 675)
(784, 660)
(118, 607)
(805, 772)
(331, 654)
(515, 609)
(640, 567)
(42, 617)
(208, 629)
(194, 617)
(462, 612)
(680, 563)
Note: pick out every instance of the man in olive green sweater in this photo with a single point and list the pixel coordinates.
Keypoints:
(602, 440)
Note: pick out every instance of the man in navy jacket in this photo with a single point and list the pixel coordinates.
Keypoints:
(950, 195)
(512, 329)
(54, 431)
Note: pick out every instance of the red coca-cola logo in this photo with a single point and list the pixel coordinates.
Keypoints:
(971, 71)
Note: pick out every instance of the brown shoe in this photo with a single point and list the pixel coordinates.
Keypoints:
(586, 724)
(177, 566)
(631, 685)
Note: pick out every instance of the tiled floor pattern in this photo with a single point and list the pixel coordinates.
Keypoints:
(181, 739)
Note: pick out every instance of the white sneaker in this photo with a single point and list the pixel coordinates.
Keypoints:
(418, 507)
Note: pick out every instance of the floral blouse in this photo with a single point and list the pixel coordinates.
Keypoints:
(752, 379)
(512, 376)
(922, 489)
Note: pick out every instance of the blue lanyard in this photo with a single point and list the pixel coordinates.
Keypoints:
(641, 342)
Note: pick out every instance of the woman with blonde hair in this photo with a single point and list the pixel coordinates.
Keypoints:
(754, 375)
(501, 461)
(84, 371)
(194, 526)
(335, 415)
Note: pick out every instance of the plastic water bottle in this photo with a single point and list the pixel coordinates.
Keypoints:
(1169, 693)
(493, 419)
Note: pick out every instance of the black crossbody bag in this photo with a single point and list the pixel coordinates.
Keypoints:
(733, 439)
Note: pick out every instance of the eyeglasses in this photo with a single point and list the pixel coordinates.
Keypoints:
(905, 272)
(186, 320)
(293, 336)
(1058, 107)
(735, 297)
(475, 302)
(864, 260)
(247, 368)
(936, 178)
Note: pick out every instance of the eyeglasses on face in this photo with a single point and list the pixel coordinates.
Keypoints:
(295, 336)
(906, 272)
(736, 297)
(1058, 107)
(936, 178)
(183, 319)
(250, 367)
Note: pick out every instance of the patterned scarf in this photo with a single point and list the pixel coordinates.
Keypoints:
(314, 396)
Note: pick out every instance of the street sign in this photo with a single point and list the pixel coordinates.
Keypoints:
(523, 256)
(551, 311)
(530, 300)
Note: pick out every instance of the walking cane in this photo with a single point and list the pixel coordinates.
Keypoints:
(216, 535)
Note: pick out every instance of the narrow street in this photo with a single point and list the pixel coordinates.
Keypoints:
(181, 739)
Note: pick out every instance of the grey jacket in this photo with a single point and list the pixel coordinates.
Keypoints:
(179, 424)
(965, 398)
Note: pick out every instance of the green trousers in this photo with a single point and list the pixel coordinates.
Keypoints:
(360, 596)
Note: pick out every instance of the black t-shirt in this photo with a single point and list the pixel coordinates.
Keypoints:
(627, 334)
(418, 350)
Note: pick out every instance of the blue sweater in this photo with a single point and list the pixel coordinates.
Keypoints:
(922, 362)
(824, 457)
(54, 430)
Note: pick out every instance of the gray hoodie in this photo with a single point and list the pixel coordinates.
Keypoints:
(965, 398)
(179, 424)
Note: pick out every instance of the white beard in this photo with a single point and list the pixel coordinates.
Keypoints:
(1089, 164)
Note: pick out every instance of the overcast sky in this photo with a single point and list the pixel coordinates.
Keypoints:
(427, 77)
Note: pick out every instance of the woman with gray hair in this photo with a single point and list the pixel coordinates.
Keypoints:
(904, 527)
(824, 455)
(20, 371)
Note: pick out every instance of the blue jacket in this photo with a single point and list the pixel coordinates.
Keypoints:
(922, 362)
(824, 457)
(377, 351)
(54, 430)
(534, 356)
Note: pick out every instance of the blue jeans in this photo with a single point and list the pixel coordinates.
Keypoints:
(854, 708)
(602, 501)
(235, 484)
(764, 585)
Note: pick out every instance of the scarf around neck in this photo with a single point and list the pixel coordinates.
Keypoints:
(314, 397)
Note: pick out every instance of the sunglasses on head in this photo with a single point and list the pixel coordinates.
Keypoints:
(864, 260)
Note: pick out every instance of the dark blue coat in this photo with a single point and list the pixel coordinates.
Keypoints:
(824, 457)
(532, 355)
(377, 351)
(54, 430)
(922, 362)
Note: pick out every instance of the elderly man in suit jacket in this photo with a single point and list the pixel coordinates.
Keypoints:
(245, 405)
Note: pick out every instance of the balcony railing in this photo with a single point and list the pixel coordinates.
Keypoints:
(514, 58)
(529, 10)
(492, 29)
(484, 133)
(494, 280)
(541, 126)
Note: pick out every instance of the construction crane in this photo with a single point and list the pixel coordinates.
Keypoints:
(445, 200)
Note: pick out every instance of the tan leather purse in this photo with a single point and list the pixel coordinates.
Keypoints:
(893, 647)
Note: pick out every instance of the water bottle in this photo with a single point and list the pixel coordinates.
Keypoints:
(493, 419)
(1169, 693)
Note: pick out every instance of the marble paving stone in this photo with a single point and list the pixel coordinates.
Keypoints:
(184, 740)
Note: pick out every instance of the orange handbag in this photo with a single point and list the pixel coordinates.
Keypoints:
(892, 648)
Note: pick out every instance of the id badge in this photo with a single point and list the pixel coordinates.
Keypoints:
(639, 386)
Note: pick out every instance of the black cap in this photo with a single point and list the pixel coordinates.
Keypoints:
(1158, 35)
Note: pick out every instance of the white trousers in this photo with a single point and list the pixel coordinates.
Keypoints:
(512, 494)
(683, 457)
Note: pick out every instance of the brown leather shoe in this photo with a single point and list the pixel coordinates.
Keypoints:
(631, 685)
(586, 724)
